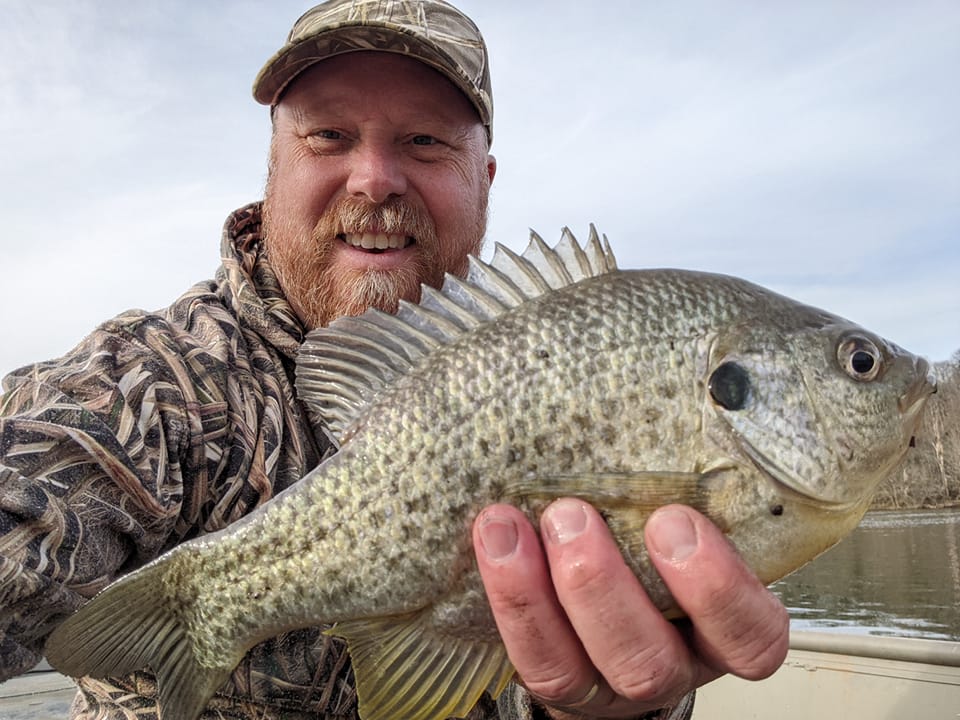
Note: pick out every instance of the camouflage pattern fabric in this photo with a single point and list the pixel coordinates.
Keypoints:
(158, 427)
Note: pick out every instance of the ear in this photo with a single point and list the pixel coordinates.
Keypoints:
(491, 166)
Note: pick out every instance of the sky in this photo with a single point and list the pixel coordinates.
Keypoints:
(811, 147)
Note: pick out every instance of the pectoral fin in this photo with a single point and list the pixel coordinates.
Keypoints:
(643, 491)
(404, 669)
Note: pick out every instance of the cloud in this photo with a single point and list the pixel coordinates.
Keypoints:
(811, 147)
(807, 147)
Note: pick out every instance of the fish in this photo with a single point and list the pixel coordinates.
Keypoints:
(551, 373)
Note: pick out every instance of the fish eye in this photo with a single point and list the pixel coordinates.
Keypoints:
(860, 358)
(730, 386)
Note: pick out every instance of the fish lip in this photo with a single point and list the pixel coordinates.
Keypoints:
(912, 401)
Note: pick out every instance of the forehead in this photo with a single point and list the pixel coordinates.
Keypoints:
(365, 81)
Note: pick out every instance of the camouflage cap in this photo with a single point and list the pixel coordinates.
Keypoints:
(431, 31)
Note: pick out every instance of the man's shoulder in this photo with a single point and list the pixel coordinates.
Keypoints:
(197, 316)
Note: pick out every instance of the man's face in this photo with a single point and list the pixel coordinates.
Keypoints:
(379, 179)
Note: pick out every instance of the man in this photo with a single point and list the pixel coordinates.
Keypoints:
(159, 427)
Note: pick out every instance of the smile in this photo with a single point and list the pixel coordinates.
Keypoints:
(376, 241)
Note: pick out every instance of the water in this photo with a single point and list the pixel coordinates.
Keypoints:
(896, 574)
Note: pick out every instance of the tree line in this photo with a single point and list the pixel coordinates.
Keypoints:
(930, 477)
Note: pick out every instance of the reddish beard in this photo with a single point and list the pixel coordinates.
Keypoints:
(320, 291)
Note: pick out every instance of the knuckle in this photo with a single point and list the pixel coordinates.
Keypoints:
(579, 577)
(765, 649)
(752, 636)
(553, 685)
(511, 605)
(651, 675)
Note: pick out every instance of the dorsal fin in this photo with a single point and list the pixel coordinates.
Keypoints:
(341, 367)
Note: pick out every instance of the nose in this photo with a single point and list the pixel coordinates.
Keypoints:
(376, 173)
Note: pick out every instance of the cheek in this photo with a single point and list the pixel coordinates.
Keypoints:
(300, 192)
(458, 202)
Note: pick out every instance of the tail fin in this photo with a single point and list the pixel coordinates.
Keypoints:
(127, 627)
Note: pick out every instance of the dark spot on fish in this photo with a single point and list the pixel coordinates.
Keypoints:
(434, 546)
(552, 412)
(582, 421)
(541, 443)
(651, 415)
(583, 447)
(913, 441)
(776, 510)
(543, 354)
(612, 409)
(514, 455)
(471, 481)
(483, 446)
(730, 386)
(417, 504)
(608, 434)
(667, 391)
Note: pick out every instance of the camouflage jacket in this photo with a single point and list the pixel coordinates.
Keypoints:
(158, 427)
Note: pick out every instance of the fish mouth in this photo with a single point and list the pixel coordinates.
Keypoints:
(377, 242)
(912, 402)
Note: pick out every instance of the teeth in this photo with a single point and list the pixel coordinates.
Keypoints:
(376, 241)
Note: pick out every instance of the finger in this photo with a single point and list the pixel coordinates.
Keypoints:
(739, 626)
(641, 656)
(540, 641)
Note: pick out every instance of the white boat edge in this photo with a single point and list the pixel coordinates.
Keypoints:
(830, 675)
(824, 675)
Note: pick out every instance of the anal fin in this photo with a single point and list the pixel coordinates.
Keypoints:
(405, 669)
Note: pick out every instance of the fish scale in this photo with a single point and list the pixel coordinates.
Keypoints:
(538, 376)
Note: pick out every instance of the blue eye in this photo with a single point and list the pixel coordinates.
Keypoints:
(327, 135)
(424, 140)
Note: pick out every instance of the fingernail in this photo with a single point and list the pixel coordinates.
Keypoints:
(671, 534)
(498, 536)
(564, 521)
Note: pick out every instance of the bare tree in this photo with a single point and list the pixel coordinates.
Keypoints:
(931, 475)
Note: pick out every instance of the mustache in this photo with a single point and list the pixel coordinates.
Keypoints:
(396, 216)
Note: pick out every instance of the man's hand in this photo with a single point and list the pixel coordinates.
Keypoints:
(580, 629)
